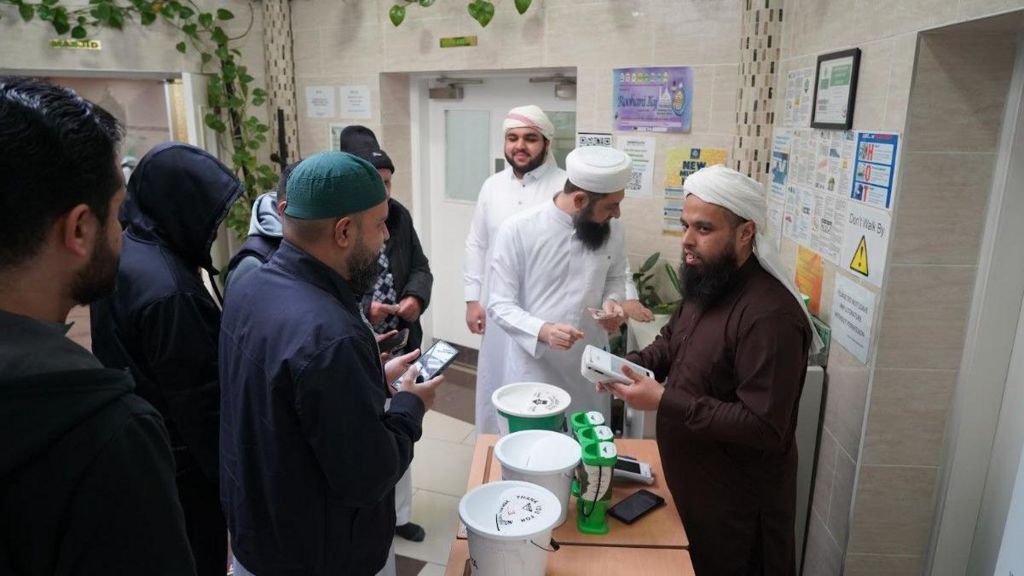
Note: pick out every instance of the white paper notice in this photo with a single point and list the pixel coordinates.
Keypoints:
(866, 242)
(853, 311)
(641, 150)
(799, 94)
(828, 222)
(775, 215)
(355, 102)
(320, 102)
(780, 164)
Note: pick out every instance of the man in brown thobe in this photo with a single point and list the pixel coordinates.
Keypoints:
(735, 356)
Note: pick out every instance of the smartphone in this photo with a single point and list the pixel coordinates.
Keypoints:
(396, 342)
(631, 469)
(600, 366)
(635, 505)
(599, 314)
(432, 362)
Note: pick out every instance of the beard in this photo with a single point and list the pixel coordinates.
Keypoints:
(592, 234)
(532, 165)
(99, 277)
(363, 268)
(706, 283)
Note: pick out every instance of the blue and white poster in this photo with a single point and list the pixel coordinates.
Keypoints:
(875, 169)
(653, 99)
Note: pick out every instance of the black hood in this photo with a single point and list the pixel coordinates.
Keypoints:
(178, 196)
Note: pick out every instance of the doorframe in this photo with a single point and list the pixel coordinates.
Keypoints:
(982, 388)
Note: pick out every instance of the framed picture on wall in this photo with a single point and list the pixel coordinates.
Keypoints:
(835, 89)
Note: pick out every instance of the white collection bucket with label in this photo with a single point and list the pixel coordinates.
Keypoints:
(530, 406)
(542, 457)
(509, 527)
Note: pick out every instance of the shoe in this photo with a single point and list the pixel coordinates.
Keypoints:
(411, 532)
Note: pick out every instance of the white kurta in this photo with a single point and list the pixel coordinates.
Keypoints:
(501, 196)
(542, 273)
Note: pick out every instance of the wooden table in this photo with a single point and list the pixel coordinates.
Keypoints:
(594, 561)
(660, 528)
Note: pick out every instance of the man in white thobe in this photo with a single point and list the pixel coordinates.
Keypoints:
(530, 177)
(555, 262)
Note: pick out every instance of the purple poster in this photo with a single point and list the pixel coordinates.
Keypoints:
(653, 99)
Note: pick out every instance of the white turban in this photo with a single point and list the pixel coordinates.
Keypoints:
(745, 198)
(531, 116)
(599, 169)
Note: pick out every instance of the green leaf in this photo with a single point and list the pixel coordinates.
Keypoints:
(26, 11)
(50, 2)
(206, 19)
(181, 47)
(426, 3)
(219, 36)
(650, 262)
(78, 33)
(486, 14)
(190, 29)
(206, 56)
(148, 18)
(185, 13)
(522, 6)
(396, 14)
(223, 14)
(61, 25)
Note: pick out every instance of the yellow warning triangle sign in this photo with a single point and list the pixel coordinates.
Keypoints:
(860, 257)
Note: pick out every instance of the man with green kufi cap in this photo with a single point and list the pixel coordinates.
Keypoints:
(309, 454)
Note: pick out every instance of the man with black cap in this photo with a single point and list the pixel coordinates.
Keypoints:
(402, 290)
(553, 263)
(310, 456)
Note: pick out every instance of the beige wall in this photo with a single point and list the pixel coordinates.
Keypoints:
(882, 439)
(352, 42)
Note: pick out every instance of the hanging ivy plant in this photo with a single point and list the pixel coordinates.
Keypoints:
(480, 10)
(231, 89)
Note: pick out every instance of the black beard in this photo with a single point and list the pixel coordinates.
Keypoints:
(363, 270)
(532, 165)
(704, 285)
(99, 277)
(592, 234)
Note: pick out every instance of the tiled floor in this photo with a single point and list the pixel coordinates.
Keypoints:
(439, 469)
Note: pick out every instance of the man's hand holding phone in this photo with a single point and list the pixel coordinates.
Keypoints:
(425, 391)
(399, 365)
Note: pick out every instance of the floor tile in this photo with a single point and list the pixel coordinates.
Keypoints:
(432, 569)
(441, 466)
(439, 516)
(439, 426)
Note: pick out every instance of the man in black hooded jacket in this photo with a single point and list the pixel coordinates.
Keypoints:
(163, 324)
(86, 473)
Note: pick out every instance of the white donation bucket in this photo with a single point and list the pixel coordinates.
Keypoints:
(530, 406)
(540, 457)
(509, 527)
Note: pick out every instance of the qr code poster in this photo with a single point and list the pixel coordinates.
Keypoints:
(641, 150)
(593, 139)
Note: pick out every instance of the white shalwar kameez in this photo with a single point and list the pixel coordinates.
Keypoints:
(542, 273)
(501, 196)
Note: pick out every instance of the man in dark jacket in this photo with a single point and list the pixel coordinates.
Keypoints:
(401, 293)
(309, 454)
(264, 232)
(86, 472)
(163, 324)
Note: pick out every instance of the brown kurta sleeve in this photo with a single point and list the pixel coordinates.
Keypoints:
(771, 357)
(657, 357)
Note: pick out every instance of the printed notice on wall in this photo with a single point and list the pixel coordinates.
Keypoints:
(866, 243)
(799, 96)
(641, 150)
(779, 167)
(652, 99)
(810, 275)
(853, 311)
(874, 174)
(355, 102)
(775, 214)
(320, 102)
(593, 139)
(672, 212)
(681, 162)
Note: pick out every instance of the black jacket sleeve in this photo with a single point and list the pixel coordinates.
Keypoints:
(127, 516)
(179, 339)
(362, 450)
(421, 280)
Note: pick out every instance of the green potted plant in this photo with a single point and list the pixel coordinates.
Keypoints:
(647, 293)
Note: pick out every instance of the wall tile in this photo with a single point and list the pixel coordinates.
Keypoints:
(842, 496)
(824, 474)
(872, 84)
(845, 402)
(927, 229)
(306, 48)
(907, 417)
(895, 506)
(350, 50)
(607, 25)
(924, 318)
(886, 19)
(723, 101)
(959, 92)
(968, 9)
(822, 556)
(875, 564)
(904, 54)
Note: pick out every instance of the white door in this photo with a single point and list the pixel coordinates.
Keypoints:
(464, 148)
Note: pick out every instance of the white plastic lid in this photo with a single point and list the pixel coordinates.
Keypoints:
(530, 399)
(603, 433)
(509, 510)
(537, 451)
(595, 418)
